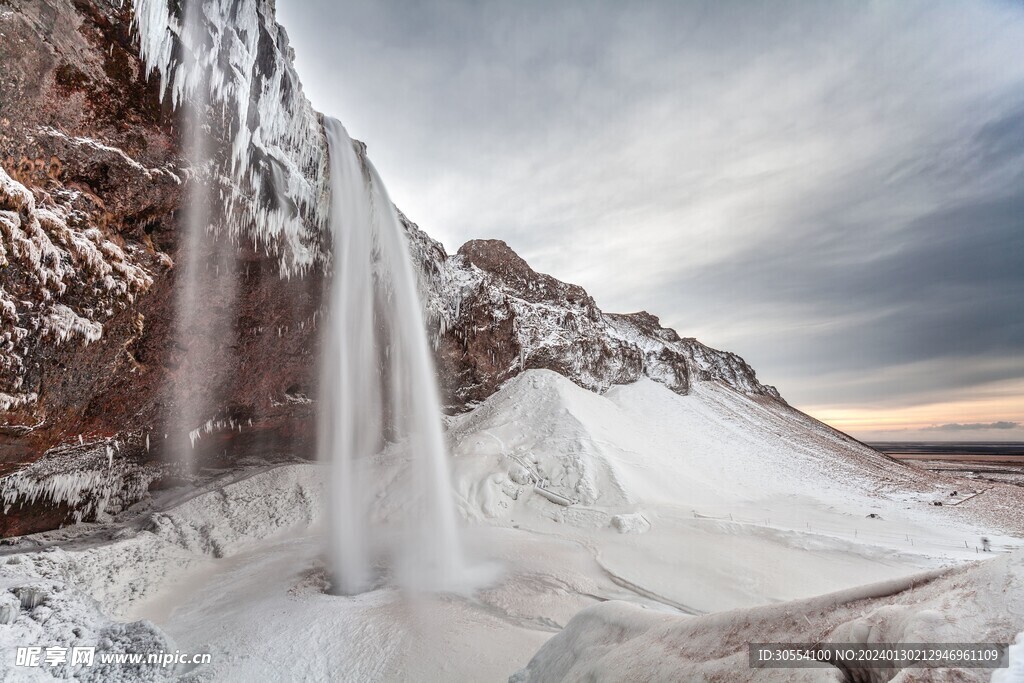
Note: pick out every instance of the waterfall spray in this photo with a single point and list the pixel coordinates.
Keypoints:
(205, 281)
(379, 388)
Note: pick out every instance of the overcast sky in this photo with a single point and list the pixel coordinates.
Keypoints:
(833, 190)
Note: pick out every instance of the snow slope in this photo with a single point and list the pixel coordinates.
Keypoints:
(712, 452)
(714, 500)
(645, 443)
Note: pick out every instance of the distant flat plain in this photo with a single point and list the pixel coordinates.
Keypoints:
(989, 460)
(1005, 452)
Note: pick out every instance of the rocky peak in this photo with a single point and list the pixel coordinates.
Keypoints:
(495, 256)
(498, 259)
(497, 316)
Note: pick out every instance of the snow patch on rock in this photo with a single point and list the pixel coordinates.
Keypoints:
(53, 254)
(493, 316)
(97, 146)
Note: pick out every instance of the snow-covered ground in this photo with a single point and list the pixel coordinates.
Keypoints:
(682, 508)
(618, 641)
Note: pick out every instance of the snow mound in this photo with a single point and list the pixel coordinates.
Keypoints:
(234, 516)
(619, 641)
(132, 562)
(631, 523)
(541, 427)
(642, 443)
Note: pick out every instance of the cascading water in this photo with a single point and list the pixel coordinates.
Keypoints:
(379, 391)
(257, 143)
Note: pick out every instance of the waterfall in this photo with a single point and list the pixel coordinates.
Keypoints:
(380, 413)
(258, 175)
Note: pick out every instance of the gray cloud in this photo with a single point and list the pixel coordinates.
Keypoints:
(833, 190)
(972, 426)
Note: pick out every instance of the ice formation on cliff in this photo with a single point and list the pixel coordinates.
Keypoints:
(87, 478)
(272, 181)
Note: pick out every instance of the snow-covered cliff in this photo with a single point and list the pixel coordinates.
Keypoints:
(50, 254)
(94, 176)
(96, 169)
(494, 316)
(230, 64)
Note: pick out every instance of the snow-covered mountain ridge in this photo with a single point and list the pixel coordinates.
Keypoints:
(495, 316)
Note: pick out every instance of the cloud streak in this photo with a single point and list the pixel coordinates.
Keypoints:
(972, 426)
(833, 190)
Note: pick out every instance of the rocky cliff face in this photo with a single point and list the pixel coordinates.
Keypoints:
(95, 183)
(93, 186)
(494, 316)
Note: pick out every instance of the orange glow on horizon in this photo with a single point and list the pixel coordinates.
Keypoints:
(997, 404)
